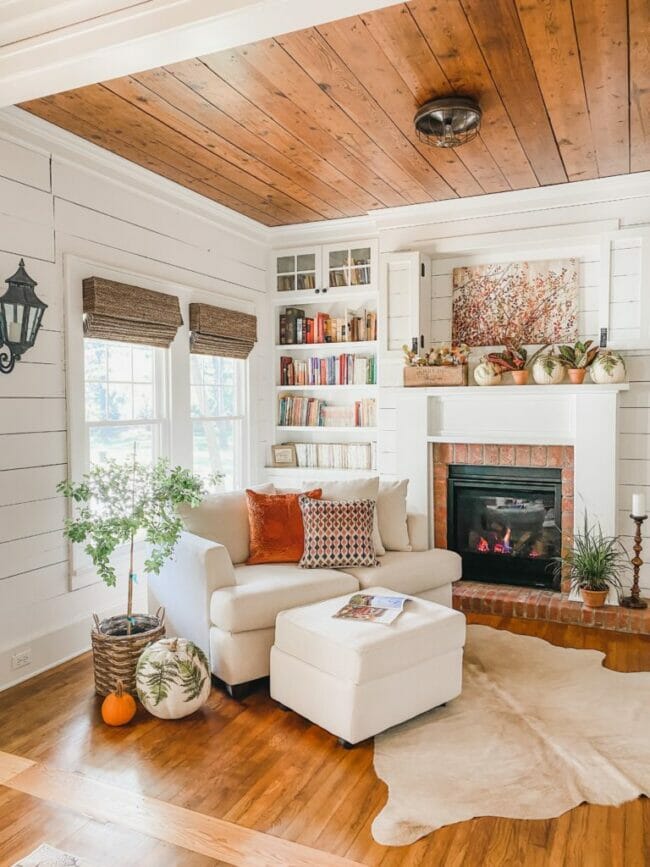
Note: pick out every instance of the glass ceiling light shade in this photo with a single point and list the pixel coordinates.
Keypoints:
(21, 312)
(448, 122)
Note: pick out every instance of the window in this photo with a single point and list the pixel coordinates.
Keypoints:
(124, 385)
(217, 386)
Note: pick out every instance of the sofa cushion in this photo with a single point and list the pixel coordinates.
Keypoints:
(337, 533)
(261, 592)
(353, 489)
(223, 518)
(411, 572)
(359, 652)
(391, 515)
(277, 534)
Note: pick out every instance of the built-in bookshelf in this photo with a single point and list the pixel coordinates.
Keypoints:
(326, 359)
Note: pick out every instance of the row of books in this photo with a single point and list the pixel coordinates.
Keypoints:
(358, 276)
(290, 282)
(311, 412)
(296, 327)
(334, 370)
(337, 456)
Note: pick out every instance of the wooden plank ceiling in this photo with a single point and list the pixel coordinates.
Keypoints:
(318, 124)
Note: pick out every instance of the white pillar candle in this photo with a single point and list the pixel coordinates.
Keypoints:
(638, 505)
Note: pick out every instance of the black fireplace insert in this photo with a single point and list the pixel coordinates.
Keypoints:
(505, 522)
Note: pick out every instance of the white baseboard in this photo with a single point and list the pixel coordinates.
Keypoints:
(49, 650)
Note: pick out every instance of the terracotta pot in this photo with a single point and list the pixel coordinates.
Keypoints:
(577, 375)
(520, 377)
(593, 598)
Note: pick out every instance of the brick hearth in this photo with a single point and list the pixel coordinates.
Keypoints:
(532, 604)
(523, 602)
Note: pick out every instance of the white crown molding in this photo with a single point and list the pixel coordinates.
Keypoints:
(559, 196)
(26, 129)
(591, 192)
(142, 36)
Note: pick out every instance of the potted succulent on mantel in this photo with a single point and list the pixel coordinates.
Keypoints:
(594, 564)
(578, 358)
(515, 359)
(114, 503)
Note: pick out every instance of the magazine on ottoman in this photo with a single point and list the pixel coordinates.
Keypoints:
(373, 609)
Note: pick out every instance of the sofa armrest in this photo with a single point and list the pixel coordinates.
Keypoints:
(418, 530)
(186, 584)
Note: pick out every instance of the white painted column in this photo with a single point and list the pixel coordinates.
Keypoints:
(596, 459)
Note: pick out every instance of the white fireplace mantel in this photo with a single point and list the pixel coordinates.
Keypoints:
(584, 416)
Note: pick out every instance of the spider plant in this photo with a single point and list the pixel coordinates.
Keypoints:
(594, 561)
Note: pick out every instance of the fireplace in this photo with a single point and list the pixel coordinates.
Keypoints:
(505, 522)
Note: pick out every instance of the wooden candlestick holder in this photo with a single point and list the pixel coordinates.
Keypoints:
(634, 600)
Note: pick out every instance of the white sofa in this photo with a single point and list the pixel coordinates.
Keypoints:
(228, 608)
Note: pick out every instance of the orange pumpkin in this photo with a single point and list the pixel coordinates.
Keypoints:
(118, 708)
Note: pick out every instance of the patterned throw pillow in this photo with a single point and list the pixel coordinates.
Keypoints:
(337, 533)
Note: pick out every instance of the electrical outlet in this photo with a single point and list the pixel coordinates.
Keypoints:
(21, 659)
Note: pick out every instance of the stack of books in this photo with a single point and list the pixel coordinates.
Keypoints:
(296, 327)
(333, 370)
(338, 456)
(311, 412)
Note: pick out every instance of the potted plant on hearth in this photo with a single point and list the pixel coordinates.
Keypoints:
(594, 564)
(115, 503)
(578, 358)
(515, 359)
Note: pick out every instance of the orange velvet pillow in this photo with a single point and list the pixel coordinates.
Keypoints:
(277, 533)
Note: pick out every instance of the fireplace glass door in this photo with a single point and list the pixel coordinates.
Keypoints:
(505, 522)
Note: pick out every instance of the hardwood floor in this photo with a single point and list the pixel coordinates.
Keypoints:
(97, 791)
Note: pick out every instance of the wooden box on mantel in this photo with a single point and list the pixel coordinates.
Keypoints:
(427, 376)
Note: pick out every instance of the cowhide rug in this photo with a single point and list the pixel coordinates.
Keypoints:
(537, 730)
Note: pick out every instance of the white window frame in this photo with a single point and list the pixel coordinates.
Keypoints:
(241, 460)
(160, 422)
(79, 260)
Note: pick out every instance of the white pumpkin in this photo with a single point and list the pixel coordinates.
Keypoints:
(172, 678)
(548, 370)
(606, 368)
(487, 373)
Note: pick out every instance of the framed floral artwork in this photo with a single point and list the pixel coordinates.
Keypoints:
(520, 302)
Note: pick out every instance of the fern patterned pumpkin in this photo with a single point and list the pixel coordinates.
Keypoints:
(172, 678)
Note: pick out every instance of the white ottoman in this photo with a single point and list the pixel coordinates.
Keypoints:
(357, 679)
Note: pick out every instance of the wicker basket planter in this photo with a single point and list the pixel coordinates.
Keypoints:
(116, 653)
(431, 375)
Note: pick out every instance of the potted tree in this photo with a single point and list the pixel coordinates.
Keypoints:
(578, 358)
(115, 503)
(594, 564)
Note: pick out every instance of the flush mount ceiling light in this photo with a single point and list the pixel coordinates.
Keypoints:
(448, 122)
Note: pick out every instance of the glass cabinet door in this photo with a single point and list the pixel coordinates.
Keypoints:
(296, 271)
(348, 266)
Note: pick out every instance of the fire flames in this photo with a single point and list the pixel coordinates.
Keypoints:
(498, 546)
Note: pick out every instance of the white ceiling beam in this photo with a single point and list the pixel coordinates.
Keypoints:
(47, 47)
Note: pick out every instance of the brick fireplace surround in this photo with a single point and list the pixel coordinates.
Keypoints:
(508, 601)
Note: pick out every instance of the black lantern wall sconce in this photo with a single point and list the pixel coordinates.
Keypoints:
(21, 313)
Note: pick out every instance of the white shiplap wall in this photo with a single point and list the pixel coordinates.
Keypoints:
(610, 238)
(60, 198)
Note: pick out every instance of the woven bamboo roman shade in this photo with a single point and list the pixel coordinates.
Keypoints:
(117, 311)
(218, 331)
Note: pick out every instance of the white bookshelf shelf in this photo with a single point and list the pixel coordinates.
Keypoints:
(334, 295)
(319, 472)
(326, 264)
(366, 387)
(342, 346)
(325, 429)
